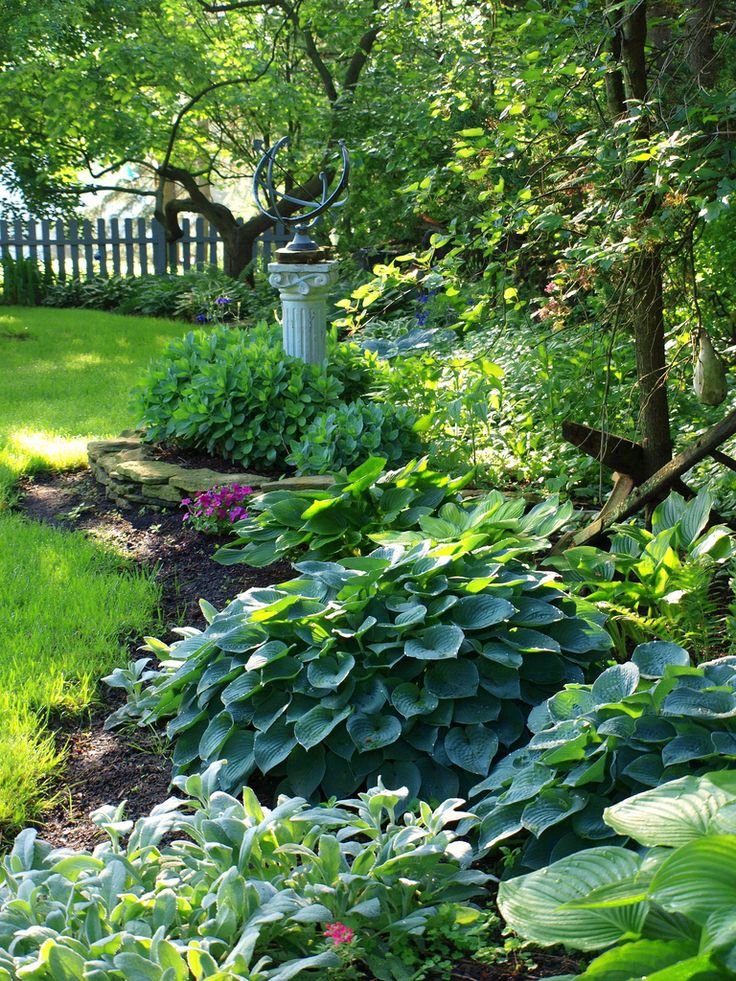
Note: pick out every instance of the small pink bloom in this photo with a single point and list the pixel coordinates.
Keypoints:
(339, 933)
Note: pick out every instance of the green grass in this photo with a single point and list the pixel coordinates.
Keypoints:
(65, 378)
(68, 603)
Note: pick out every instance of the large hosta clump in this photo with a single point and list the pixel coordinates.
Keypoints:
(417, 665)
(638, 725)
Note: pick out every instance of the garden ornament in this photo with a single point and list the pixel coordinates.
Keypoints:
(303, 274)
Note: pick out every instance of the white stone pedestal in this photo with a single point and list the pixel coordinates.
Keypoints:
(303, 289)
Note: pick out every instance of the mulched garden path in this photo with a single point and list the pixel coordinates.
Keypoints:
(108, 767)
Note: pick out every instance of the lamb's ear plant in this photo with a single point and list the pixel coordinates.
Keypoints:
(418, 665)
(657, 583)
(238, 891)
(668, 912)
(638, 725)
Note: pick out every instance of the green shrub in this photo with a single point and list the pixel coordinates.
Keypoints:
(414, 665)
(237, 892)
(236, 393)
(670, 912)
(188, 296)
(347, 433)
(638, 725)
(656, 583)
(371, 505)
(24, 283)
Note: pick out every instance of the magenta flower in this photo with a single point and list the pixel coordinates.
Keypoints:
(338, 933)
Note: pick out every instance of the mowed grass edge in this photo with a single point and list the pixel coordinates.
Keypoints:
(70, 604)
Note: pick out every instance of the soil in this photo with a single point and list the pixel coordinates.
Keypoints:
(104, 767)
(194, 459)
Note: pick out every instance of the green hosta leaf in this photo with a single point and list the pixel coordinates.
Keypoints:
(410, 700)
(699, 878)
(477, 612)
(373, 731)
(533, 905)
(265, 654)
(435, 643)
(330, 671)
(653, 658)
(456, 679)
(314, 726)
(273, 746)
(238, 751)
(471, 748)
(643, 960)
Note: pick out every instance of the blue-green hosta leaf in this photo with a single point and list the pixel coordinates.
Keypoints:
(532, 904)
(435, 643)
(416, 613)
(550, 807)
(186, 748)
(269, 708)
(500, 823)
(580, 636)
(400, 773)
(438, 783)
(534, 613)
(478, 612)
(501, 653)
(271, 651)
(370, 732)
(215, 735)
(235, 636)
(645, 960)
(273, 746)
(471, 748)
(527, 783)
(315, 725)
(653, 658)
(305, 769)
(242, 687)
(330, 670)
(695, 744)
(238, 752)
(525, 639)
(481, 707)
(615, 683)
(454, 679)
(699, 878)
(410, 700)
(700, 704)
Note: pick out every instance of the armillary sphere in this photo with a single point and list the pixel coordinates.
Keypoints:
(270, 201)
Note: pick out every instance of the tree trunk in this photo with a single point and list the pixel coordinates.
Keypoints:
(651, 365)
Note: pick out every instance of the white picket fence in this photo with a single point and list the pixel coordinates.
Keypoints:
(128, 247)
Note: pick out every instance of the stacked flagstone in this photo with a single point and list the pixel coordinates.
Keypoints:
(132, 476)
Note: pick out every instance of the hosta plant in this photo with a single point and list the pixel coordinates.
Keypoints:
(415, 664)
(238, 892)
(373, 505)
(657, 583)
(638, 725)
(670, 911)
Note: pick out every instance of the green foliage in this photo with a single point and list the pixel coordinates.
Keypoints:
(372, 505)
(349, 432)
(638, 725)
(414, 664)
(670, 912)
(237, 891)
(182, 297)
(24, 283)
(236, 393)
(659, 582)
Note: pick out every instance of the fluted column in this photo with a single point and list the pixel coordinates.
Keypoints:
(303, 290)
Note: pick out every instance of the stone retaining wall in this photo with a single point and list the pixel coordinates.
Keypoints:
(133, 477)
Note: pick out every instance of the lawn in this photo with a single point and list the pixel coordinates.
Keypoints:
(65, 378)
(69, 604)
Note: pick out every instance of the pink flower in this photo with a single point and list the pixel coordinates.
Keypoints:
(186, 500)
(339, 933)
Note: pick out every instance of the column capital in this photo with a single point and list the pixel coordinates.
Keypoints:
(302, 280)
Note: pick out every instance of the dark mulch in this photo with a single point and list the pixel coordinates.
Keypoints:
(109, 767)
(194, 460)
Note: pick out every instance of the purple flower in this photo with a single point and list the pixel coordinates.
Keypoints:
(223, 300)
(201, 318)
